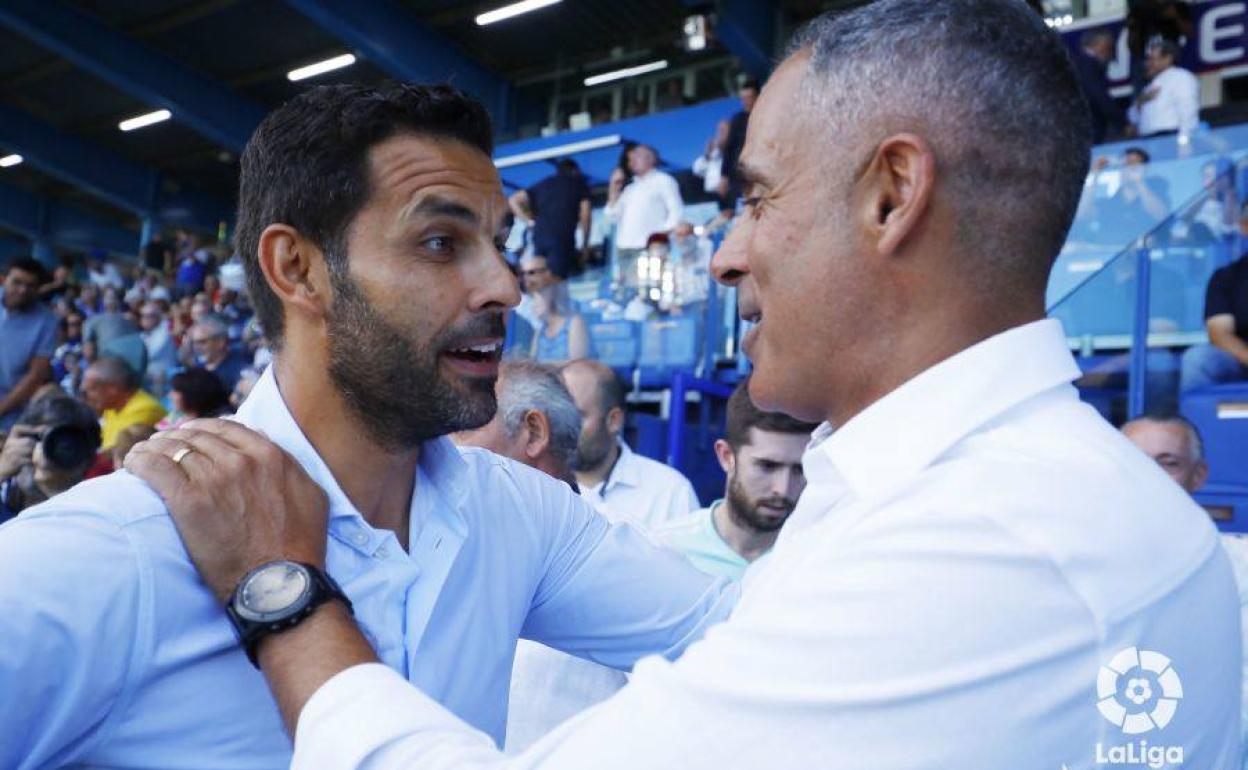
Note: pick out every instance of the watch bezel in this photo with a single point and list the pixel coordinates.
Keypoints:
(253, 616)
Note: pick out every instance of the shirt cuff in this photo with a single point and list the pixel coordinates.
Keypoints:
(362, 711)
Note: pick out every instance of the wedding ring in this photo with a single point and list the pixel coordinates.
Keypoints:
(181, 454)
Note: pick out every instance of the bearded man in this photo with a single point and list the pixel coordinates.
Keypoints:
(371, 228)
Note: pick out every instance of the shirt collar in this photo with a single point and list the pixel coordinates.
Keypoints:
(625, 471)
(879, 449)
(265, 411)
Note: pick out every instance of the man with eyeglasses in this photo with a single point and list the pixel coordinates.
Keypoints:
(211, 341)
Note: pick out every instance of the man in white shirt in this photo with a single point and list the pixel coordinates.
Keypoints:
(981, 573)
(761, 454)
(649, 204)
(621, 484)
(1174, 443)
(1171, 101)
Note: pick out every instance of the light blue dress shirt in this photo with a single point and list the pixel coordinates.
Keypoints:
(115, 655)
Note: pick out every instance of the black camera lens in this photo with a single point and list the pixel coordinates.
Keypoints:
(68, 447)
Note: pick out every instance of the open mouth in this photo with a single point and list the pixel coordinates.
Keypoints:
(479, 358)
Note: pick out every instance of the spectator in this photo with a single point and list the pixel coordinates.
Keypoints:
(246, 381)
(27, 339)
(534, 275)
(537, 422)
(112, 388)
(61, 283)
(105, 327)
(193, 264)
(761, 453)
(560, 333)
(47, 452)
(195, 393)
(158, 255)
(1175, 444)
(1136, 207)
(1091, 61)
(709, 166)
(554, 208)
(70, 343)
(103, 274)
(88, 301)
(127, 440)
(210, 339)
(649, 204)
(691, 258)
(1225, 357)
(1171, 101)
(162, 353)
(730, 185)
(620, 484)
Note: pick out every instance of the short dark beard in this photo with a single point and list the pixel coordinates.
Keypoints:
(744, 511)
(593, 450)
(394, 386)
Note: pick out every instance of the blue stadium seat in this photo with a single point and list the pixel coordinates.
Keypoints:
(667, 346)
(1220, 413)
(616, 343)
(1227, 505)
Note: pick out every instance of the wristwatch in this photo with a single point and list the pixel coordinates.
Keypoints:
(275, 597)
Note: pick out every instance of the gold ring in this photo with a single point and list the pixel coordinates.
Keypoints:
(181, 454)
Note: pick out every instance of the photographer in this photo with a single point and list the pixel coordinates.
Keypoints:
(47, 452)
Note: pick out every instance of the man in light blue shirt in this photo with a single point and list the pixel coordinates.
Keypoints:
(27, 339)
(368, 226)
(761, 453)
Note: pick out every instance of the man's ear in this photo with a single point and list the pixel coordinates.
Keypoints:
(537, 434)
(727, 458)
(896, 190)
(1201, 475)
(615, 420)
(295, 269)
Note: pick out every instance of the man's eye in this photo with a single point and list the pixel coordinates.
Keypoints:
(439, 243)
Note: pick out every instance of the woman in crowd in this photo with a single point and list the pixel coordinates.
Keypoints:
(194, 393)
(561, 333)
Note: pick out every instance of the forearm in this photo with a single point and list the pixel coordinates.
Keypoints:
(1233, 344)
(30, 382)
(298, 661)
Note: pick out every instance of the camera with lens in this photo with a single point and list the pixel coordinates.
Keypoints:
(66, 447)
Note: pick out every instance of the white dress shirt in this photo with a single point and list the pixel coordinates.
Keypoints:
(642, 491)
(649, 204)
(969, 552)
(1176, 107)
(711, 170)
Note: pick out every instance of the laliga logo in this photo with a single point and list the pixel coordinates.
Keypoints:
(1133, 680)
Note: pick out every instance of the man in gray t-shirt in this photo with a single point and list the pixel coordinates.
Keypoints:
(28, 329)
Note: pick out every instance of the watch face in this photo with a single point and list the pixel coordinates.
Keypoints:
(273, 591)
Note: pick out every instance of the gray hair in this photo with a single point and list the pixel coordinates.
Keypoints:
(991, 89)
(1165, 47)
(1196, 444)
(115, 370)
(214, 325)
(528, 385)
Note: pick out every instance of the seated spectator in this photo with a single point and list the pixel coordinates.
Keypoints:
(194, 262)
(534, 275)
(106, 326)
(1170, 103)
(761, 453)
(210, 338)
(49, 450)
(1139, 204)
(194, 393)
(560, 333)
(112, 388)
(1217, 215)
(537, 422)
(27, 339)
(709, 165)
(1225, 358)
(1175, 444)
(621, 485)
(88, 301)
(162, 353)
(127, 440)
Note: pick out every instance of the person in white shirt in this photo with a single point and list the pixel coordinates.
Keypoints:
(709, 165)
(647, 205)
(761, 454)
(1174, 443)
(1171, 101)
(981, 573)
(621, 484)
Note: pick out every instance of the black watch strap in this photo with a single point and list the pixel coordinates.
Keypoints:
(250, 633)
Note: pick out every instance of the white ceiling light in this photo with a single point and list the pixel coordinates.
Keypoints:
(558, 152)
(321, 67)
(141, 121)
(515, 9)
(627, 72)
(10, 160)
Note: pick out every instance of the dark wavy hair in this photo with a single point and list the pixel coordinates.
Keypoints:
(203, 393)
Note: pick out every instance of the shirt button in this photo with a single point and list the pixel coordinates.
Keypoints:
(383, 553)
(359, 538)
